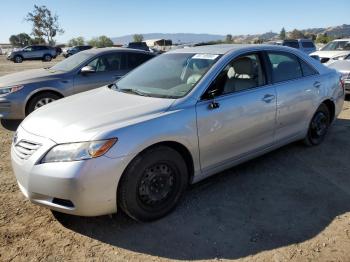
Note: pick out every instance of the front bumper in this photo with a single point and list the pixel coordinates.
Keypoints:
(85, 188)
(12, 107)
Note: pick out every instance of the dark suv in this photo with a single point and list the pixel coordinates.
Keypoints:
(76, 49)
(138, 45)
(33, 52)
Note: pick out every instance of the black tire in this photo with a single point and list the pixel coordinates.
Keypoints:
(47, 58)
(318, 127)
(18, 59)
(153, 184)
(33, 102)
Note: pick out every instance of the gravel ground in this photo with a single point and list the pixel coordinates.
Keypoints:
(292, 204)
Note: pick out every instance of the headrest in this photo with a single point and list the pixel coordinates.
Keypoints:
(243, 66)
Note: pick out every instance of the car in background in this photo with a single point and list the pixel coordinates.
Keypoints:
(33, 52)
(136, 145)
(343, 66)
(23, 92)
(335, 50)
(76, 49)
(305, 45)
(58, 50)
(138, 45)
(0, 51)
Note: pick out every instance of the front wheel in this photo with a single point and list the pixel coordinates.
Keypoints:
(318, 127)
(153, 184)
(41, 100)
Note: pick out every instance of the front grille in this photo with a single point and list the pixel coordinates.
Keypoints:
(24, 149)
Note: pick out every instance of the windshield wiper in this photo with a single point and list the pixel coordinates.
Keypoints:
(130, 90)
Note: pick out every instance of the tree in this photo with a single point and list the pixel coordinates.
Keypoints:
(138, 38)
(76, 41)
(323, 38)
(101, 41)
(283, 33)
(228, 38)
(20, 40)
(296, 34)
(45, 24)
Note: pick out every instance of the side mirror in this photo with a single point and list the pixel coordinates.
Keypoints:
(211, 94)
(316, 57)
(87, 70)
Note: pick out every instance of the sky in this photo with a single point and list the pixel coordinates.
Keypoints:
(91, 18)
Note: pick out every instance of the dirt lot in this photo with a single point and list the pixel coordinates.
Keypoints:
(291, 204)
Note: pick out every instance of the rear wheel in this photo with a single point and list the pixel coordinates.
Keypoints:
(18, 59)
(153, 184)
(41, 100)
(318, 127)
(47, 58)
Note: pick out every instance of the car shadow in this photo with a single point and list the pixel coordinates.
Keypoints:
(10, 125)
(287, 196)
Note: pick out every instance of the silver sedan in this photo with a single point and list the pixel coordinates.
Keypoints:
(175, 120)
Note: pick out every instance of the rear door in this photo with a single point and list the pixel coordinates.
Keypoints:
(297, 85)
(241, 119)
(108, 68)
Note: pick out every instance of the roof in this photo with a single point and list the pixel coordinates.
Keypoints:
(224, 48)
(95, 51)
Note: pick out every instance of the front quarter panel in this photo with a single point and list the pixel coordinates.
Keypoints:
(177, 125)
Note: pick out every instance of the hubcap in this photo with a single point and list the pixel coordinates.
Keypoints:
(319, 125)
(42, 102)
(156, 185)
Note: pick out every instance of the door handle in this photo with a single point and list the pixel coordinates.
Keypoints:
(317, 84)
(268, 98)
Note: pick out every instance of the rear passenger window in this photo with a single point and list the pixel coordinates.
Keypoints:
(284, 66)
(307, 69)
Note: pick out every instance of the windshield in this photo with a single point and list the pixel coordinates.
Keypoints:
(170, 75)
(337, 45)
(71, 62)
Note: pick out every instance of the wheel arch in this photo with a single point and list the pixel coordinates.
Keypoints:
(331, 107)
(38, 92)
(179, 147)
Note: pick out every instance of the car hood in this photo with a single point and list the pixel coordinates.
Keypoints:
(29, 76)
(342, 66)
(329, 54)
(83, 116)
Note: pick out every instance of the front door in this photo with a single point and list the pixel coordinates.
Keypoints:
(108, 68)
(241, 118)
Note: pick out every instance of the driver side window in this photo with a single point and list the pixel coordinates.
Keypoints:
(242, 73)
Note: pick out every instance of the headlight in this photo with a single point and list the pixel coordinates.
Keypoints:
(10, 89)
(78, 151)
(341, 57)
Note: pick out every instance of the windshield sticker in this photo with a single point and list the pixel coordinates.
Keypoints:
(205, 56)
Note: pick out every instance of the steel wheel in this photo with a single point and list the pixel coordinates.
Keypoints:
(156, 184)
(42, 102)
(318, 127)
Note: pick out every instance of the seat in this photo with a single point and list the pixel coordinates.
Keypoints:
(287, 70)
(240, 76)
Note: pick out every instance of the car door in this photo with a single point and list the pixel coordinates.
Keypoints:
(240, 119)
(297, 85)
(28, 52)
(107, 70)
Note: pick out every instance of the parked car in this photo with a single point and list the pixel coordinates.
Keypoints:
(76, 49)
(175, 120)
(33, 52)
(0, 51)
(21, 93)
(335, 50)
(58, 50)
(304, 45)
(343, 66)
(138, 45)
